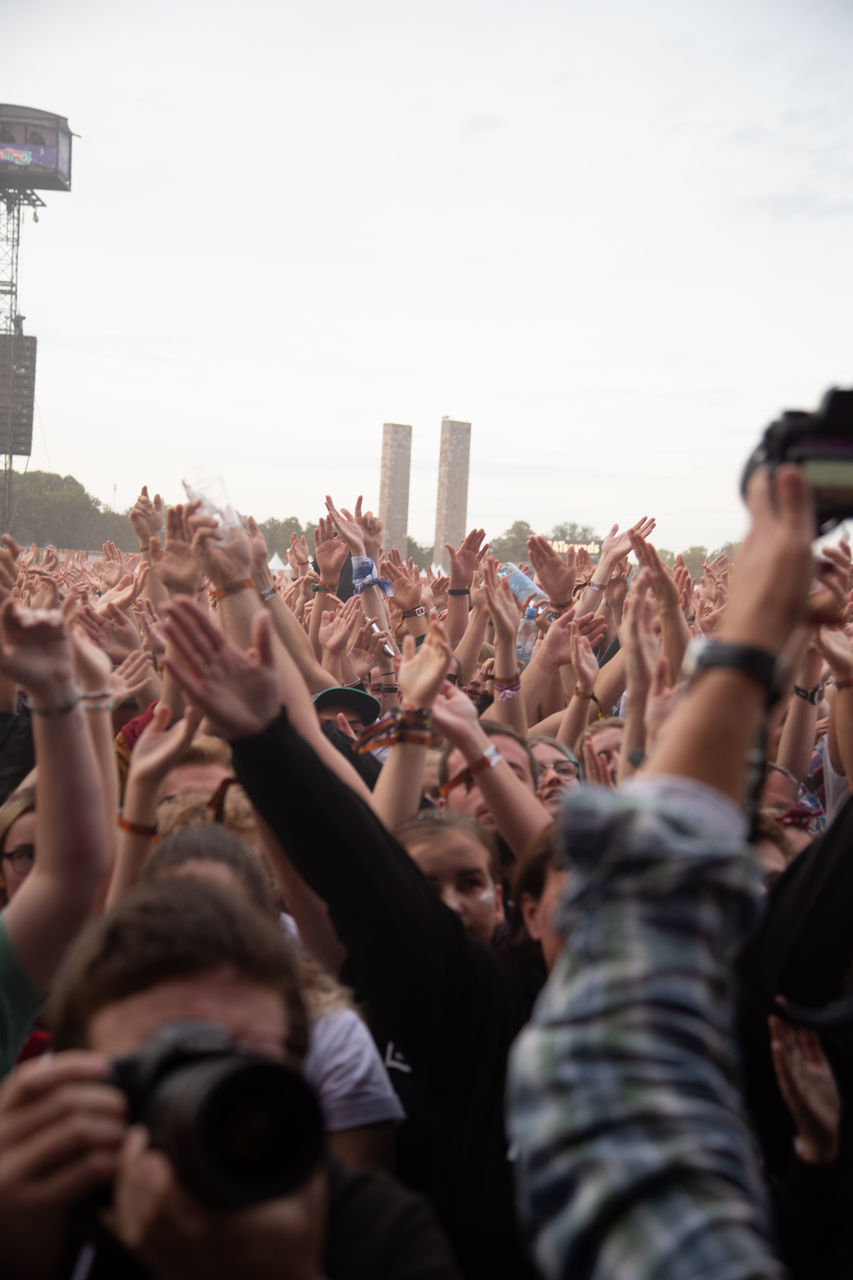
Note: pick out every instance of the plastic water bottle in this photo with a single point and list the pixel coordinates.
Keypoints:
(519, 584)
(525, 637)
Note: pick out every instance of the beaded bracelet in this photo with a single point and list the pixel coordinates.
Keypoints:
(97, 704)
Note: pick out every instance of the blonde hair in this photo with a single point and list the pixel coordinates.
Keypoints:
(18, 803)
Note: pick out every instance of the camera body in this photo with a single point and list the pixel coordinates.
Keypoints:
(237, 1128)
(822, 444)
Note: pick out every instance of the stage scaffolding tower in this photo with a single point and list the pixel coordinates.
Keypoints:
(35, 154)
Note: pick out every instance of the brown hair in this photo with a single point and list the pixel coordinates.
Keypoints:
(595, 727)
(178, 927)
(210, 842)
(215, 844)
(432, 825)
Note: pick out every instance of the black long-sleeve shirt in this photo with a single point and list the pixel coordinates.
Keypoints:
(449, 1005)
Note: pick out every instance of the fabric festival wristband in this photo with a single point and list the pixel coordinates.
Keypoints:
(459, 591)
(231, 588)
(267, 593)
(136, 828)
(488, 760)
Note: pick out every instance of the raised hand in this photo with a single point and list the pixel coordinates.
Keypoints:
(556, 648)
(439, 585)
(596, 771)
(584, 661)
(110, 567)
(466, 559)
(502, 605)
(132, 676)
(297, 555)
(583, 564)
(238, 691)
(150, 625)
(422, 672)
(660, 703)
(685, 585)
(46, 593)
(836, 649)
(361, 651)
(146, 518)
(637, 636)
(174, 563)
(223, 553)
(160, 746)
(371, 530)
(406, 585)
(617, 588)
(35, 650)
(259, 555)
(121, 636)
(770, 580)
(376, 642)
(347, 526)
(92, 664)
(828, 602)
(556, 576)
(616, 544)
(336, 628)
(809, 1089)
(126, 590)
(454, 715)
(330, 552)
(9, 553)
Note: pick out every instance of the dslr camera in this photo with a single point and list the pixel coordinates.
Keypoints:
(237, 1128)
(822, 444)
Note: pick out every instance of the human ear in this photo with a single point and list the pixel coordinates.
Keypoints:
(530, 915)
(500, 913)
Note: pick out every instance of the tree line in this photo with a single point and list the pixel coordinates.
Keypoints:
(51, 509)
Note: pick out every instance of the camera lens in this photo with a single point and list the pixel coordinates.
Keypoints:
(237, 1130)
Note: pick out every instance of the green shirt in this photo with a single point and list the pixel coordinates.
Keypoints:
(20, 1001)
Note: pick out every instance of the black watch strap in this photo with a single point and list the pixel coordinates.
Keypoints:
(759, 664)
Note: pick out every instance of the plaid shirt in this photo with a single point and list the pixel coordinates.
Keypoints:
(634, 1161)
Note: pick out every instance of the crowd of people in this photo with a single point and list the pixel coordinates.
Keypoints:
(343, 936)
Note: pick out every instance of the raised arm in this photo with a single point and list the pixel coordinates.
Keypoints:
(72, 832)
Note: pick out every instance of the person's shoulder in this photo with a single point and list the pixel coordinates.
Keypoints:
(376, 1227)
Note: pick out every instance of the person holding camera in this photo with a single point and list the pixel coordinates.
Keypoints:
(125, 1154)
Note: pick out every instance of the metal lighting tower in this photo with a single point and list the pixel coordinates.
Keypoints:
(35, 154)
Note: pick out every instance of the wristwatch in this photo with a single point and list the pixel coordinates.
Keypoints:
(767, 669)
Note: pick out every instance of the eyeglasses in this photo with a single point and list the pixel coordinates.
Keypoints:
(563, 768)
(22, 858)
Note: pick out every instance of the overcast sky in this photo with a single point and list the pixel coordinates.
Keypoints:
(615, 235)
